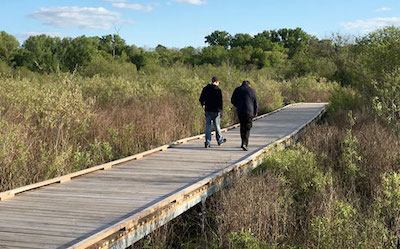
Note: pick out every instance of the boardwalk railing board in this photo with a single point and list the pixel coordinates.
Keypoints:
(203, 188)
(62, 179)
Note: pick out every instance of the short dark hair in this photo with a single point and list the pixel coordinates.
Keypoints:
(214, 79)
(246, 82)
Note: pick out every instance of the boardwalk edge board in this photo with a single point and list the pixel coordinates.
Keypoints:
(62, 179)
(135, 227)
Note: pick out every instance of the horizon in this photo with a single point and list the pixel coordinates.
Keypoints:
(182, 23)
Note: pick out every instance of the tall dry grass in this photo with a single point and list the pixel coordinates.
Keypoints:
(55, 124)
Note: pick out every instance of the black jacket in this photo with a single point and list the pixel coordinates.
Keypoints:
(244, 98)
(211, 97)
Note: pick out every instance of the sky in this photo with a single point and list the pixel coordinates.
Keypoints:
(182, 23)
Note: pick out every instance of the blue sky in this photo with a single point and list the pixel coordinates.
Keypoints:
(181, 23)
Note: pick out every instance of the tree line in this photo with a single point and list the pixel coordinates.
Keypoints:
(47, 54)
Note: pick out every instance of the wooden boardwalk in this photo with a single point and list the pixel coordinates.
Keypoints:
(125, 200)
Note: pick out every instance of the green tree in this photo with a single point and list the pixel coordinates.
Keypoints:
(167, 57)
(379, 52)
(40, 53)
(292, 39)
(8, 46)
(215, 55)
(264, 41)
(112, 44)
(239, 56)
(316, 58)
(241, 40)
(219, 38)
(378, 63)
(259, 58)
(189, 55)
(79, 52)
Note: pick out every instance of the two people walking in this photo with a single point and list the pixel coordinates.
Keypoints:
(244, 98)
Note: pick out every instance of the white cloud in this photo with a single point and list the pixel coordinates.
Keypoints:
(147, 8)
(117, 1)
(195, 2)
(82, 17)
(383, 9)
(372, 23)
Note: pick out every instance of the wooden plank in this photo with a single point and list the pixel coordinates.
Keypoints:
(51, 240)
(98, 200)
(79, 207)
(49, 214)
(97, 187)
(73, 232)
(56, 221)
(24, 245)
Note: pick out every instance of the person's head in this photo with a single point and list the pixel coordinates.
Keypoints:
(246, 82)
(215, 80)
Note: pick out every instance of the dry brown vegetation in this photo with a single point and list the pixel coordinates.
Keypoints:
(55, 124)
(337, 188)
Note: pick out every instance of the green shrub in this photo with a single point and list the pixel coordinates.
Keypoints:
(269, 95)
(343, 99)
(307, 89)
(106, 67)
(5, 69)
(14, 155)
(390, 199)
(386, 98)
(245, 240)
(345, 228)
(350, 156)
(299, 170)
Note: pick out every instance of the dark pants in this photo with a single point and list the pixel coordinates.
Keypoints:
(246, 122)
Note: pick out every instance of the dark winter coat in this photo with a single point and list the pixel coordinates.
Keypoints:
(211, 97)
(244, 98)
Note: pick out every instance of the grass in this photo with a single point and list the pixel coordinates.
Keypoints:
(55, 124)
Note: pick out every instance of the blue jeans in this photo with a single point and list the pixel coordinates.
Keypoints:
(215, 117)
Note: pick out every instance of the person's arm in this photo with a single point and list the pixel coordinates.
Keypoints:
(234, 98)
(255, 102)
(202, 99)
(220, 101)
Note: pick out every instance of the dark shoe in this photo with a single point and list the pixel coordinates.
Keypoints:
(244, 147)
(223, 141)
(206, 145)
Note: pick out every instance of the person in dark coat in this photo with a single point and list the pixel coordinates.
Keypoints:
(244, 98)
(211, 101)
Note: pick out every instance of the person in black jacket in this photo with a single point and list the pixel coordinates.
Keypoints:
(211, 101)
(244, 98)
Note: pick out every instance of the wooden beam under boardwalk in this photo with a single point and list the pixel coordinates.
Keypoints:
(116, 204)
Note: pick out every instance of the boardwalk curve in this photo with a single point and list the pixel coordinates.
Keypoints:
(115, 204)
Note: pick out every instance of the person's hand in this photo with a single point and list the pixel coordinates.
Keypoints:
(204, 108)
